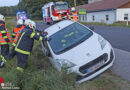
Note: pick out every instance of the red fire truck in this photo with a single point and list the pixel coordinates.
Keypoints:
(55, 11)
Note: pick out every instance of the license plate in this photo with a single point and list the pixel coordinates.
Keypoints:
(95, 67)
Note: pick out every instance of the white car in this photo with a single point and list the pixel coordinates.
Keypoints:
(75, 47)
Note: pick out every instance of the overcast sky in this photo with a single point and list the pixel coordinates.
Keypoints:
(8, 2)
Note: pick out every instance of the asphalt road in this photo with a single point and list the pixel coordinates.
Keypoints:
(119, 37)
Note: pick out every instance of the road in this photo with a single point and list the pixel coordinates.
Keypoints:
(119, 38)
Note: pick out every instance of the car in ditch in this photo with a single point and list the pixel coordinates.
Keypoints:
(77, 48)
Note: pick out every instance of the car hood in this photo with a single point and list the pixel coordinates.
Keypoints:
(84, 52)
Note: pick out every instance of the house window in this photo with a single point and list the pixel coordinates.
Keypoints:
(93, 18)
(83, 18)
(86, 17)
(125, 16)
(107, 17)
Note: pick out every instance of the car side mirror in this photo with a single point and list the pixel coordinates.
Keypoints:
(92, 28)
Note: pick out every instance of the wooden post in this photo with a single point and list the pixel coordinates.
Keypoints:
(75, 3)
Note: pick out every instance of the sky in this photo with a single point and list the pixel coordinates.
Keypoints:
(8, 2)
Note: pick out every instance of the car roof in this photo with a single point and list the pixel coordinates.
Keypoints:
(57, 27)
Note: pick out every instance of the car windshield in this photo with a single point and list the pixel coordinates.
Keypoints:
(69, 37)
(61, 7)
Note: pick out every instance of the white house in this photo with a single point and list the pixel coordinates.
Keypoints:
(106, 11)
(92, 1)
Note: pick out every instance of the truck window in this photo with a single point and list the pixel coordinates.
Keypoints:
(48, 11)
(52, 8)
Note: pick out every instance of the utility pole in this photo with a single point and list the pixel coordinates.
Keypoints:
(75, 3)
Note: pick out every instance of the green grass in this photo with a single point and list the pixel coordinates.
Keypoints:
(118, 24)
(40, 74)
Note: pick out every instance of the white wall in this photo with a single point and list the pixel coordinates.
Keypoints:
(120, 14)
(101, 16)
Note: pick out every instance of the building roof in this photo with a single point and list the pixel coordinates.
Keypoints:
(103, 5)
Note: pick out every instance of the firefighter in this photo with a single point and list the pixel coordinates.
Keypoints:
(25, 42)
(74, 15)
(68, 16)
(60, 16)
(19, 27)
(5, 39)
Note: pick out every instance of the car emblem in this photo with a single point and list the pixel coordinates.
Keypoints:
(88, 54)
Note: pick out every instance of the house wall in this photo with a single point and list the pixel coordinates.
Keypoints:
(120, 14)
(101, 17)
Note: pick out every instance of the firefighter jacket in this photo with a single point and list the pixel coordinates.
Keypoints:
(4, 34)
(17, 29)
(60, 17)
(25, 41)
(74, 16)
(16, 33)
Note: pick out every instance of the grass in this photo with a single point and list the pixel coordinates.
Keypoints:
(118, 24)
(40, 75)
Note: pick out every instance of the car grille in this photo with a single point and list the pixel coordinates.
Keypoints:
(83, 67)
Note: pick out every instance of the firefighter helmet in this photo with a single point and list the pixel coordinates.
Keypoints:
(27, 22)
(72, 9)
(2, 17)
(30, 23)
(19, 22)
(33, 24)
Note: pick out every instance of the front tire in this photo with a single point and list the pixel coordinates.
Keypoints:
(52, 22)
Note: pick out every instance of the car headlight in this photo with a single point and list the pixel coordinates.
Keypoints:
(65, 63)
(102, 41)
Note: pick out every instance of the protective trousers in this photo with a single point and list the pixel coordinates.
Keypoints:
(4, 50)
(22, 60)
(12, 54)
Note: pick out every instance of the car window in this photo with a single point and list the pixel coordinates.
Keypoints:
(61, 7)
(68, 37)
(46, 47)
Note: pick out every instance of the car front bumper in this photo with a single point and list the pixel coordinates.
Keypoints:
(84, 76)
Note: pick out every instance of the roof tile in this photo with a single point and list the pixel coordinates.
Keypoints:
(103, 5)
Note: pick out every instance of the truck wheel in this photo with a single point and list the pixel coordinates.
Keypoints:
(47, 23)
(52, 22)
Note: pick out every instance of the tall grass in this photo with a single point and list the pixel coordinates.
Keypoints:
(118, 24)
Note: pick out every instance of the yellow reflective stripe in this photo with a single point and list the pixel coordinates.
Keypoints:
(3, 43)
(13, 34)
(38, 33)
(41, 38)
(20, 69)
(34, 30)
(5, 37)
(21, 51)
(3, 59)
(13, 44)
(32, 35)
(3, 31)
(20, 38)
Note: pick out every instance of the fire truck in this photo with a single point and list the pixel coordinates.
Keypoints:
(21, 15)
(55, 11)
